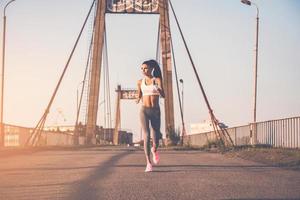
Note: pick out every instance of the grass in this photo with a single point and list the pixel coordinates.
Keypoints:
(267, 155)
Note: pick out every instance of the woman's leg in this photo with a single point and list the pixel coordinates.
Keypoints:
(155, 124)
(146, 132)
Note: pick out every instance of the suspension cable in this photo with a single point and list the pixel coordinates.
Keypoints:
(88, 83)
(216, 126)
(108, 102)
(40, 126)
(191, 60)
(177, 86)
(84, 79)
(157, 44)
(104, 82)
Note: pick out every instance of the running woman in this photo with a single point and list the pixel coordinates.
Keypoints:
(149, 90)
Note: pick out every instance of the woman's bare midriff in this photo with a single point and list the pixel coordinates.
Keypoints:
(151, 101)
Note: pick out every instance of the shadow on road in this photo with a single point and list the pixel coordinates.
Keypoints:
(187, 168)
(87, 188)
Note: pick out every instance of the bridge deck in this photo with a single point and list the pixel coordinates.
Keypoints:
(117, 173)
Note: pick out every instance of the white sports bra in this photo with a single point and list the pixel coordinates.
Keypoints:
(148, 90)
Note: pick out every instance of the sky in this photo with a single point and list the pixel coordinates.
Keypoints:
(220, 35)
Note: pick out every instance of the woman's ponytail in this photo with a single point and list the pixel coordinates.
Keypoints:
(156, 69)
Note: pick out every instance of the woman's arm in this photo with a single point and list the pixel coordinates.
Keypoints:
(139, 91)
(160, 87)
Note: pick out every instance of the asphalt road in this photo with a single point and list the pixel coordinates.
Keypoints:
(112, 174)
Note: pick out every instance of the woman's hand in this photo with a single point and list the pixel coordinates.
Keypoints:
(137, 100)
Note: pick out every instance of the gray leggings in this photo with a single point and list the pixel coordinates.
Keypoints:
(152, 115)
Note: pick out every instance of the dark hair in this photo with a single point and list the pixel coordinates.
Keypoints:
(155, 66)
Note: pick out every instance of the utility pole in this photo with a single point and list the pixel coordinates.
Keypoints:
(2, 128)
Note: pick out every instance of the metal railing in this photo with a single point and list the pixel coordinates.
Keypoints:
(282, 133)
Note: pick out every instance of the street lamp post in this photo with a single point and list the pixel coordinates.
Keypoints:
(249, 3)
(181, 81)
(2, 134)
(182, 114)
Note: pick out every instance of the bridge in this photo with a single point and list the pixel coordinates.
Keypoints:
(98, 155)
(117, 173)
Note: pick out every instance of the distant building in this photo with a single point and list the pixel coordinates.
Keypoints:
(102, 135)
(62, 135)
(106, 135)
(16, 135)
(203, 127)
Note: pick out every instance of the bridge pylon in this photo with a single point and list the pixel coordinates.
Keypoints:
(94, 84)
(160, 7)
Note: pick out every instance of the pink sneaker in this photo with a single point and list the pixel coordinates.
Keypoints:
(148, 168)
(155, 155)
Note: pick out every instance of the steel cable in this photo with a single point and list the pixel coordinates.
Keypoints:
(40, 126)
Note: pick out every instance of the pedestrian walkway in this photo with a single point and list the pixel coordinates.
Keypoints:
(118, 173)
